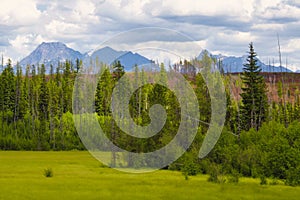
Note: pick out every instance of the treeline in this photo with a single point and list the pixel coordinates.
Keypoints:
(260, 139)
(36, 108)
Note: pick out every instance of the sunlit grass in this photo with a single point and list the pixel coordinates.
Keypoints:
(77, 175)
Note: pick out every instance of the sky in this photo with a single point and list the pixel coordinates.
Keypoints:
(225, 27)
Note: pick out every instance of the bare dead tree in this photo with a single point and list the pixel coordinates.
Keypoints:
(282, 81)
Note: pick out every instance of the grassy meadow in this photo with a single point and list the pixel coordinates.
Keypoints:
(77, 175)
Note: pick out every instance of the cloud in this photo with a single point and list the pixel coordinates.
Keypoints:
(241, 8)
(22, 43)
(221, 26)
(277, 12)
(229, 22)
(18, 12)
(63, 29)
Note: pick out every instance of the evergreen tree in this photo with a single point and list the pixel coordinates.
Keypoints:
(43, 105)
(8, 89)
(67, 84)
(78, 65)
(43, 96)
(103, 93)
(118, 70)
(53, 105)
(254, 99)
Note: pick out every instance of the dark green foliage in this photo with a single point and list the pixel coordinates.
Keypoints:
(293, 177)
(255, 105)
(48, 173)
(234, 177)
(263, 180)
(213, 177)
(216, 175)
(43, 96)
(34, 108)
(8, 88)
(103, 93)
(118, 70)
(190, 167)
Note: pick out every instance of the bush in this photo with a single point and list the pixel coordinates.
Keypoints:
(48, 173)
(234, 177)
(274, 182)
(215, 176)
(293, 177)
(263, 180)
(190, 169)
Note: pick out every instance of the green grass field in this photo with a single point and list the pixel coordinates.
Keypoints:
(77, 175)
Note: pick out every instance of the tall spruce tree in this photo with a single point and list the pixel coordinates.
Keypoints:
(254, 99)
(118, 70)
(8, 80)
(103, 93)
(43, 95)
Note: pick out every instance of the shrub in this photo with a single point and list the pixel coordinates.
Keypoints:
(293, 177)
(274, 182)
(234, 177)
(48, 173)
(186, 176)
(215, 176)
(263, 180)
(190, 169)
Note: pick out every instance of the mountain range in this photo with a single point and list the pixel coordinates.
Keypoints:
(232, 64)
(108, 55)
(54, 52)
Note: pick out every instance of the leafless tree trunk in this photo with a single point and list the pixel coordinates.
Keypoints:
(283, 84)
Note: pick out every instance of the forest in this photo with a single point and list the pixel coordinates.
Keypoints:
(260, 138)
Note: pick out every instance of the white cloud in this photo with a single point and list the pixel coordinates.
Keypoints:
(221, 26)
(236, 37)
(292, 45)
(241, 8)
(18, 12)
(280, 11)
(268, 27)
(59, 28)
(23, 44)
(84, 11)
